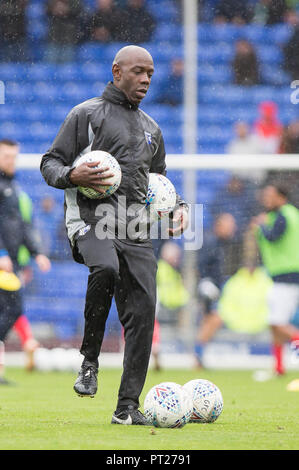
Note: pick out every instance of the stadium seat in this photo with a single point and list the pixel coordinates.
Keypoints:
(214, 74)
(165, 11)
(274, 76)
(278, 34)
(215, 53)
(170, 32)
(269, 54)
(210, 33)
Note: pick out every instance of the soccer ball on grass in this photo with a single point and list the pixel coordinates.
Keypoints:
(207, 400)
(168, 405)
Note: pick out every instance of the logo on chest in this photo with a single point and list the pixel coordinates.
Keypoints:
(148, 137)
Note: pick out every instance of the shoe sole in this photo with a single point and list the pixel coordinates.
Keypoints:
(85, 396)
(82, 395)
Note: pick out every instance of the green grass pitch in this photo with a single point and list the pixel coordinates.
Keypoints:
(42, 412)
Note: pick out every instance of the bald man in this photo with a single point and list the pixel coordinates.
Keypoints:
(121, 264)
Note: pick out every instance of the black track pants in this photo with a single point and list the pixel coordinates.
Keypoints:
(127, 271)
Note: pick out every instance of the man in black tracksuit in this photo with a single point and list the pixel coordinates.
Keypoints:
(120, 266)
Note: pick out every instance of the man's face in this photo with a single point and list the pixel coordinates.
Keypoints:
(8, 155)
(133, 77)
(271, 199)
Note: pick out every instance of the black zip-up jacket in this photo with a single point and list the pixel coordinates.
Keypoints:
(112, 124)
(14, 231)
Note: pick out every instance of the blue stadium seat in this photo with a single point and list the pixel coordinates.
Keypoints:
(278, 34)
(274, 76)
(165, 11)
(269, 54)
(163, 113)
(90, 52)
(226, 33)
(35, 10)
(216, 53)
(214, 74)
(254, 33)
(230, 95)
(95, 72)
(214, 134)
(169, 32)
(13, 72)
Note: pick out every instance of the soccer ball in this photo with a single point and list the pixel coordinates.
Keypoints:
(168, 405)
(207, 400)
(161, 196)
(106, 160)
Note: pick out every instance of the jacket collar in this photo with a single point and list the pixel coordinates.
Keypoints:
(115, 95)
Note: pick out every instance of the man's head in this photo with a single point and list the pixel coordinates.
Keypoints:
(104, 4)
(242, 129)
(132, 70)
(9, 150)
(274, 196)
(171, 253)
(225, 226)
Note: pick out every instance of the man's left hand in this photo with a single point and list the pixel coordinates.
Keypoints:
(180, 221)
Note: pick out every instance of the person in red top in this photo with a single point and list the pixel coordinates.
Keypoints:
(268, 127)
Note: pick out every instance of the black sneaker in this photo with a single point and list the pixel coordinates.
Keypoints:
(129, 415)
(86, 384)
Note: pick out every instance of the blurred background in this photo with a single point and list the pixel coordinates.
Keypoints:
(222, 86)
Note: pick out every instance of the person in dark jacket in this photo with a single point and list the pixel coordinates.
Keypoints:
(13, 31)
(121, 265)
(105, 23)
(65, 29)
(138, 24)
(245, 64)
(14, 233)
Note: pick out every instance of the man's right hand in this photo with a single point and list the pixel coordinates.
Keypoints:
(6, 264)
(88, 176)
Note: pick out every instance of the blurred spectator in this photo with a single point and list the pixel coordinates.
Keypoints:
(268, 127)
(173, 92)
(290, 138)
(106, 22)
(245, 143)
(237, 198)
(217, 261)
(270, 12)
(13, 31)
(289, 145)
(291, 17)
(291, 56)
(172, 296)
(233, 11)
(138, 24)
(64, 17)
(44, 221)
(245, 64)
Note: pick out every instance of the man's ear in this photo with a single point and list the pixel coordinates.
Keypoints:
(116, 72)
